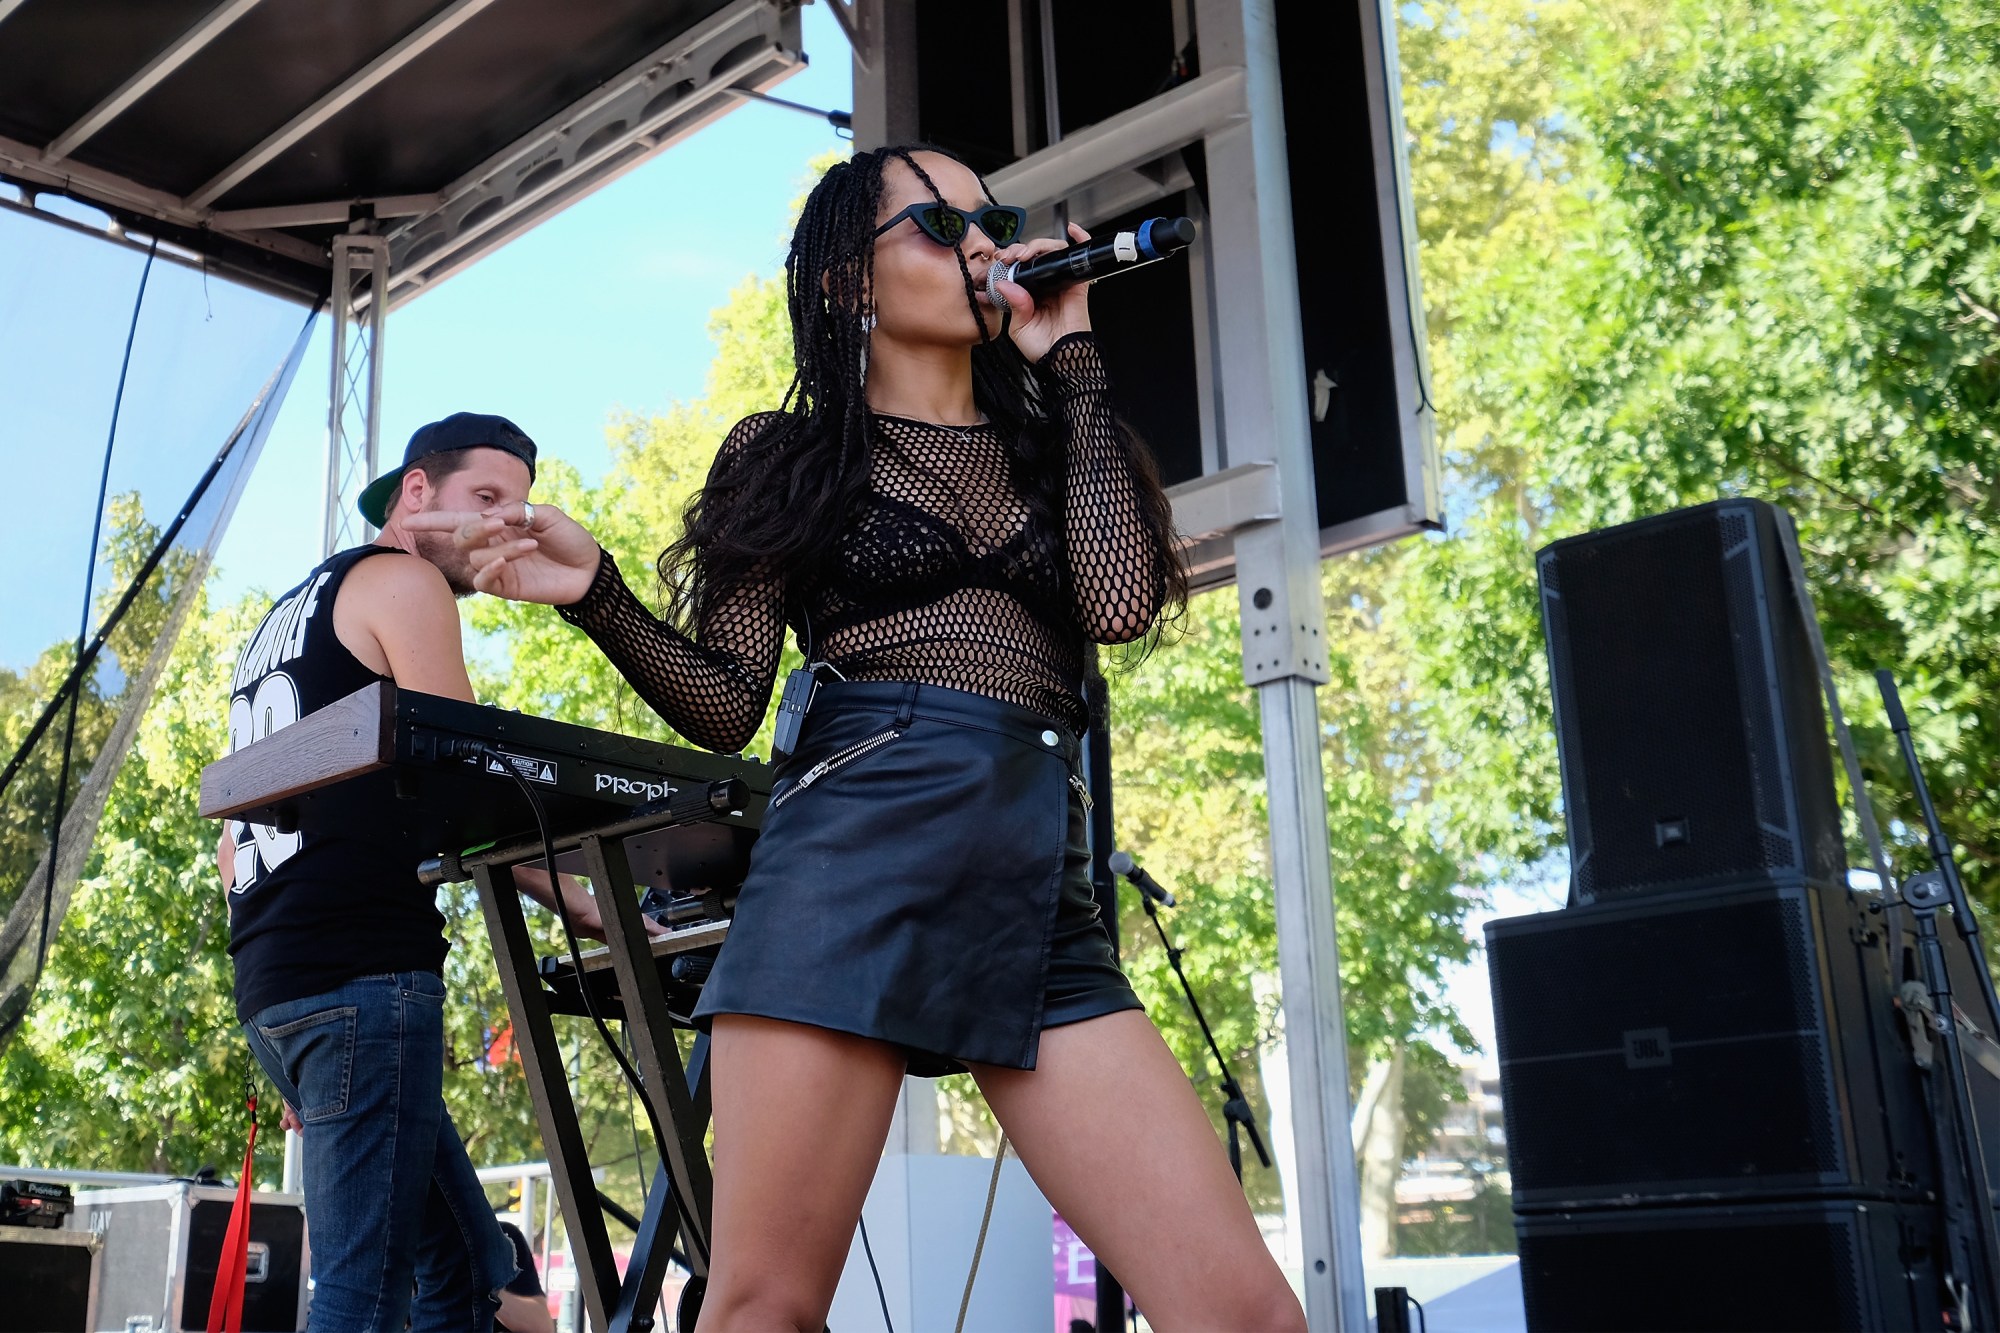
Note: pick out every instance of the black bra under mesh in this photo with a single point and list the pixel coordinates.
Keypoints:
(945, 578)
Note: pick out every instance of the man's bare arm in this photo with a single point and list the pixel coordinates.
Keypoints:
(397, 615)
(583, 909)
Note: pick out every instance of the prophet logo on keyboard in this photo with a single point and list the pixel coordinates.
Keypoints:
(638, 791)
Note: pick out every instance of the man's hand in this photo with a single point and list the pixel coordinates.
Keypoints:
(289, 1119)
(525, 553)
(584, 915)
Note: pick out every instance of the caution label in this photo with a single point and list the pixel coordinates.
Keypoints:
(529, 767)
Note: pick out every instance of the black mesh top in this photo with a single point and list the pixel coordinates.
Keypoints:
(945, 578)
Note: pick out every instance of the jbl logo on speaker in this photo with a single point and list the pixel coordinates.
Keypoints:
(1646, 1048)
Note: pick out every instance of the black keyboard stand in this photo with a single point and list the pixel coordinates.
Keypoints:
(679, 1205)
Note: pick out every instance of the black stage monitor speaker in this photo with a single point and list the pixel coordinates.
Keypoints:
(1713, 1045)
(1769, 1268)
(1694, 748)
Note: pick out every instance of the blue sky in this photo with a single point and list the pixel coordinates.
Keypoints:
(604, 307)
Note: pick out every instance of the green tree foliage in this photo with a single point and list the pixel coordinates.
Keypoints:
(1772, 271)
(127, 1059)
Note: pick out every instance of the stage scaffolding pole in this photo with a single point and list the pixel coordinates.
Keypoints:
(354, 413)
(1263, 408)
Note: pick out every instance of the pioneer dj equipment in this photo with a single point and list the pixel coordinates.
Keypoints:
(34, 1203)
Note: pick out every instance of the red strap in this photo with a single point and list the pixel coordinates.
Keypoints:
(225, 1304)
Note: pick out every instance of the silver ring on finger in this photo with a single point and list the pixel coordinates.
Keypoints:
(527, 515)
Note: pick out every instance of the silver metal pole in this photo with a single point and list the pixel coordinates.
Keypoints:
(1263, 417)
(1326, 1174)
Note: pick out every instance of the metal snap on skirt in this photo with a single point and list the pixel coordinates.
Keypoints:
(922, 878)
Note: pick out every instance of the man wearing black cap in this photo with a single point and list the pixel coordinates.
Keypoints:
(339, 950)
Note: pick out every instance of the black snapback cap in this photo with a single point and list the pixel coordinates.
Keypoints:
(460, 430)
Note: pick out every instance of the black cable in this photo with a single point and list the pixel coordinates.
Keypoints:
(1423, 1324)
(696, 1241)
(83, 620)
(876, 1273)
(632, 1119)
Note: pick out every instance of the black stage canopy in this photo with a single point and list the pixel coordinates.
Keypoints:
(248, 132)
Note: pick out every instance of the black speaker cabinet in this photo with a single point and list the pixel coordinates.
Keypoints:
(1694, 747)
(1769, 1268)
(48, 1281)
(1706, 1046)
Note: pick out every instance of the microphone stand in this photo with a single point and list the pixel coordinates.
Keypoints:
(1235, 1106)
(1973, 1247)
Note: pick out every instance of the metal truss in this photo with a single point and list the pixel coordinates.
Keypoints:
(746, 48)
(354, 418)
(751, 46)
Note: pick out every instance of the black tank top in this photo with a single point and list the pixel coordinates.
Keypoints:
(312, 911)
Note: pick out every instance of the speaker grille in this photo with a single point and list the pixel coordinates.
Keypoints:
(1756, 1269)
(1666, 1048)
(1671, 642)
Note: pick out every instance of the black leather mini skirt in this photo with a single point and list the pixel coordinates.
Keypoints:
(922, 878)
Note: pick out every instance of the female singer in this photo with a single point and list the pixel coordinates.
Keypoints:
(949, 514)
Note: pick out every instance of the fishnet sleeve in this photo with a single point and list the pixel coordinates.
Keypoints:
(714, 688)
(1117, 563)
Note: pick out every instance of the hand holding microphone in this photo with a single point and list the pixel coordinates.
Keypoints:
(1121, 863)
(1152, 240)
(1040, 283)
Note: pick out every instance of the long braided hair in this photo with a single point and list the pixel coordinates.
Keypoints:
(774, 505)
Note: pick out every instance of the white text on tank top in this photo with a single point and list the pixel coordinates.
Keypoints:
(271, 706)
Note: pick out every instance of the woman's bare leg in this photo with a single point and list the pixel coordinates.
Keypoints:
(801, 1114)
(1110, 1128)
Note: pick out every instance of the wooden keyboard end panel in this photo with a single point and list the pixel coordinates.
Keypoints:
(346, 739)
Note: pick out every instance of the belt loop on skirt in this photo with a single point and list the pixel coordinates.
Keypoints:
(907, 712)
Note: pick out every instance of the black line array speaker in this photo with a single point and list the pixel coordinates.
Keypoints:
(1699, 1047)
(1713, 1117)
(1694, 747)
(1802, 1267)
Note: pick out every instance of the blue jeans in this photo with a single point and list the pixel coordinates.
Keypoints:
(392, 1205)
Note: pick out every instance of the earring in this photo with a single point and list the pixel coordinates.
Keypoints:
(868, 322)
